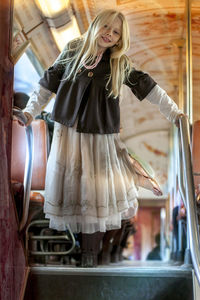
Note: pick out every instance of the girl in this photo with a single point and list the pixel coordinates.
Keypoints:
(91, 181)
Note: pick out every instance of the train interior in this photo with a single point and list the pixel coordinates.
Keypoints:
(156, 254)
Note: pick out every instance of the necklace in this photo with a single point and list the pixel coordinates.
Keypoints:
(99, 56)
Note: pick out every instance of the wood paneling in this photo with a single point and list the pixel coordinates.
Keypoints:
(12, 258)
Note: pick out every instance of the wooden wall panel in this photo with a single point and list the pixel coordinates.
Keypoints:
(12, 258)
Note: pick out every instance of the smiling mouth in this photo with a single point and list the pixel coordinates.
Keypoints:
(106, 40)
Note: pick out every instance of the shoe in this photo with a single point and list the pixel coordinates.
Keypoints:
(88, 260)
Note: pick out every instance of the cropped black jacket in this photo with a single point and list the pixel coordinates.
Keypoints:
(87, 98)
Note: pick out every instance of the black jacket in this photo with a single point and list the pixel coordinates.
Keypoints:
(87, 97)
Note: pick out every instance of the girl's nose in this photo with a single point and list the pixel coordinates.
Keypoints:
(109, 34)
(109, 31)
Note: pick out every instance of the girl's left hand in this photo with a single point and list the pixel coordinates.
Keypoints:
(177, 119)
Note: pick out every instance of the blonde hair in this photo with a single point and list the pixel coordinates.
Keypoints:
(85, 49)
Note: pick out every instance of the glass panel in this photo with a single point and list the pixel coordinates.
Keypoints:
(24, 70)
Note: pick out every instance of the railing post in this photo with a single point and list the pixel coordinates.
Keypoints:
(187, 257)
(189, 99)
(192, 223)
(28, 167)
(180, 43)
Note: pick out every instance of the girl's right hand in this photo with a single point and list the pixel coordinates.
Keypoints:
(29, 118)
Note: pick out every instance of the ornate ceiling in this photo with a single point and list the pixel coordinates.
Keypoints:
(157, 28)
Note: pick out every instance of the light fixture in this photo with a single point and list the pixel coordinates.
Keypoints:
(56, 12)
(66, 33)
(60, 18)
(52, 8)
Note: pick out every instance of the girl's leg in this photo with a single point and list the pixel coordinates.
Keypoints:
(115, 253)
(90, 247)
(104, 256)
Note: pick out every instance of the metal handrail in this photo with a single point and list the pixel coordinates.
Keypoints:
(28, 166)
(190, 195)
(27, 188)
(180, 172)
(63, 237)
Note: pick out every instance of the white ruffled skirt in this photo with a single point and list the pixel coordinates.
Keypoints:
(90, 182)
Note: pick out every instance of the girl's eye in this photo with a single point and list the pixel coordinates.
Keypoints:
(116, 32)
(105, 26)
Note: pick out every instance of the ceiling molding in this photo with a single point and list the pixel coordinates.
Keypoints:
(84, 11)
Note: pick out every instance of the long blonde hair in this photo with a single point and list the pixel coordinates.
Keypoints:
(85, 49)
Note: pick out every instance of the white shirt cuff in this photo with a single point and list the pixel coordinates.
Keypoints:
(37, 100)
(166, 105)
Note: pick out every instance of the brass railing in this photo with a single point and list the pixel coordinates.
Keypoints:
(192, 222)
(28, 166)
(26, 199)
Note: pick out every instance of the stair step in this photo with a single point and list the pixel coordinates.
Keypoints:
(127, 281)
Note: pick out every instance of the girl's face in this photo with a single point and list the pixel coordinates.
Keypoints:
(109, 35)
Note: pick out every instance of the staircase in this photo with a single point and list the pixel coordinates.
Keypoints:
(124, 281)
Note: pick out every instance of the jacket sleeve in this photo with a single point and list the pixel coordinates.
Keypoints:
(37, 100)
(140, 83)
(166, 105)
(52, 77)
(49, 83)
